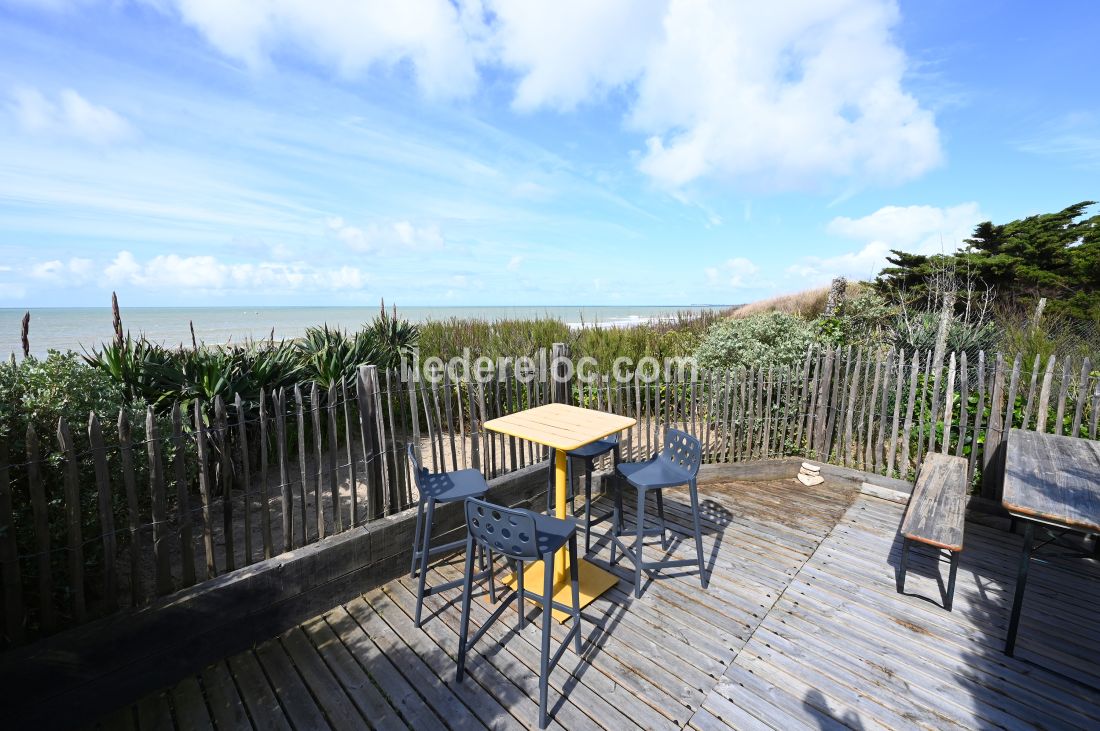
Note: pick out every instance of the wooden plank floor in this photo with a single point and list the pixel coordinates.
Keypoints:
(801, 628)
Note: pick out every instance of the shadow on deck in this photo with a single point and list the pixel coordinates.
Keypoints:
(801, 628)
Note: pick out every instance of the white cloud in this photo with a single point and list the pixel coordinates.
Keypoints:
(208, 273)
(393, 237)
(350, 35)
(914, 229)
(73, 272)
(782, 98)
(776, 97)
(735, 273)
(515, 263)
(71, 115)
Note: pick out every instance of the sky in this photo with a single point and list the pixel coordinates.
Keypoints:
(483, 152)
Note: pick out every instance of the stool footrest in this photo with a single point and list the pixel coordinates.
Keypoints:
(455, 583)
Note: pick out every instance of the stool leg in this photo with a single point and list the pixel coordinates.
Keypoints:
(519, 591)
(661, 517)
(616, 519)
(569, 492)
(550, 483)
(951, 580)
(693, 490)
(638, 544)
(575, 580)
(904, 565)
(547, 618)
(416, 538)
(492, 578)
(464, 623)
(588, 508)
(425, 550)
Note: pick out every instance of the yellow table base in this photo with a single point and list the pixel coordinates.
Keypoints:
(593, 581)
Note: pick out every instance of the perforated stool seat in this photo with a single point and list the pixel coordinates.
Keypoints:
(440, 487)
(676, 464)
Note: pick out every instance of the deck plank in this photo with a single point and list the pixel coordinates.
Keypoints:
(801, 628)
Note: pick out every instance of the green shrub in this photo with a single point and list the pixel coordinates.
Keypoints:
(919, 332)
(767, 339)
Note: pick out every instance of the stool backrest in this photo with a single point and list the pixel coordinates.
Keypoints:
(683, 450)
(508, 531)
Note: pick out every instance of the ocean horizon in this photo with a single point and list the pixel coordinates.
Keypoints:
(85, 328)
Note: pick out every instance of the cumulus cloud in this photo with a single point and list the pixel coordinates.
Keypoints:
(776, 97)
(69, 115)
(434, 36)
(915, 229)
(735, 273)
(393, 237)
(73, 272)
(207, 273)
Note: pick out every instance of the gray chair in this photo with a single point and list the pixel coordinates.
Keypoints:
(589, 453)
(439, 487)
(676, 464)
(522, 536)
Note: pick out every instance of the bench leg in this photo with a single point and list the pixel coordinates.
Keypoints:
(904, 565)
(951, 580)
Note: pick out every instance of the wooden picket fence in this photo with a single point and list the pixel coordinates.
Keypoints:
(205, 489)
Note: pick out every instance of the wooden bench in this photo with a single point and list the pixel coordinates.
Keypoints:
(936, 514)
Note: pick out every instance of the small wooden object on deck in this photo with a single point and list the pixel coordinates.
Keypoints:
(937, 513)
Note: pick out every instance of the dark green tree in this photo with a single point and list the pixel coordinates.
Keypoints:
(1052, 255)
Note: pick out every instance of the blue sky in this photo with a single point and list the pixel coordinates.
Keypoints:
(205, 152)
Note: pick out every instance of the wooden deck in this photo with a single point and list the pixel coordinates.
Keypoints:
(801, 628)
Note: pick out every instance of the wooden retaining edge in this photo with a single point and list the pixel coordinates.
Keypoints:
(81, 674)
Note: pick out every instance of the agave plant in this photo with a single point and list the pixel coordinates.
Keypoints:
(393, 338)
(330, 356)
(140, 366)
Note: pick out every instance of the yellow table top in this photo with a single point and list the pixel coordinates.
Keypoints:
(560, 426)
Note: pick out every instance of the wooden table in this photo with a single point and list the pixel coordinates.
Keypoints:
(1053, 481)
(564, 428)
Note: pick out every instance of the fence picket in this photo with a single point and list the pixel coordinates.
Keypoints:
(899, 378)
(158, 506)
(1044, 397)
(903, 462)
(964, 403)
(979, 415)
(14, 614)
(226, 471)
(183, 500)
(265, 506)
(1082, 396)
(948, 406)
(318, 469)
(1063, 390)
(104, 508)
(133, 518)
(333, 446)
(47, 616)
(246, 475)
(279, 406)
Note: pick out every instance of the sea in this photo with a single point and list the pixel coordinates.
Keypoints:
(85, 328)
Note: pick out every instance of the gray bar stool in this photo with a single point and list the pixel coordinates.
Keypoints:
(523, 536)
(589, 453)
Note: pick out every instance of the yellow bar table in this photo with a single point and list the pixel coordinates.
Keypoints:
(563, 428)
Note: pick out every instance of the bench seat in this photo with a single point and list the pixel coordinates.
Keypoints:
(936, 514)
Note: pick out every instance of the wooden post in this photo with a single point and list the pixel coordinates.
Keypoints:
(303, 465)
(1082, 397)
(948, 407)
(183, 498)
(370, 421)
(319, 468)
(105, 509)
(246, 475)
(226, 470)
(333, 446)
(353, 478)
(204, 491)
(9, 556)
(559, 353)
(72, 515)
(278, 404)
(157, 501)
(265, 506)
(126, 460)
(991, 486)
(47, 617)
